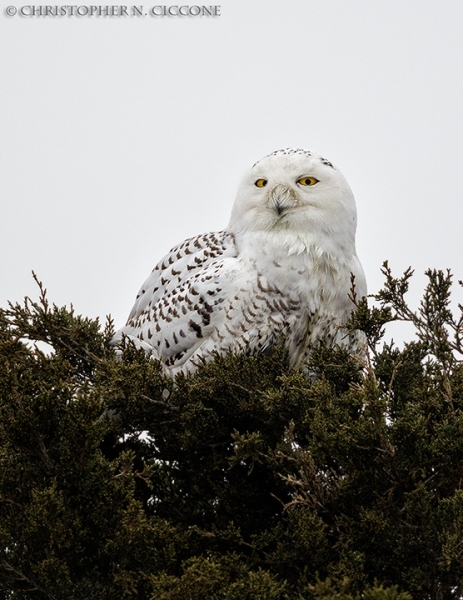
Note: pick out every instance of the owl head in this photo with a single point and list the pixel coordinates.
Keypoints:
(295, 191)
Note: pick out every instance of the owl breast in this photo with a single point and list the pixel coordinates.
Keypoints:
(280, 298)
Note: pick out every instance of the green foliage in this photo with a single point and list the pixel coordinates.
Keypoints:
(244, 481)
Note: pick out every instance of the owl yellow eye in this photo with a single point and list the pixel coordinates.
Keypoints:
(307, 181)
(261, 183)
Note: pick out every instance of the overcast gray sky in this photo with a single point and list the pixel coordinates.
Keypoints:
(122, 136)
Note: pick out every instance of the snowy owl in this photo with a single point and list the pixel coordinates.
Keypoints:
(280, 273)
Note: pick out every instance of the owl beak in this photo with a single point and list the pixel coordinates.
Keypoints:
(281, 198)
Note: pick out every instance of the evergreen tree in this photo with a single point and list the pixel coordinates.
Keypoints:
(243, 481)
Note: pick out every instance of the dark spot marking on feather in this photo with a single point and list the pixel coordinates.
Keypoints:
(229, 330)
(268, 304)
(207, 306)
(173, 359)
(269, 288)
(195, 327)
(281, 304)
(240, 345)
(206, 317)
(327, 162)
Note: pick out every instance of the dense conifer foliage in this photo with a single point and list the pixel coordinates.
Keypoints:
(244, 481)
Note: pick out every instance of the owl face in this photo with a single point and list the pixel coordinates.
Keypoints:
(294, 190)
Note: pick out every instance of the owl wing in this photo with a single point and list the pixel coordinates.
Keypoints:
(179, 305)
